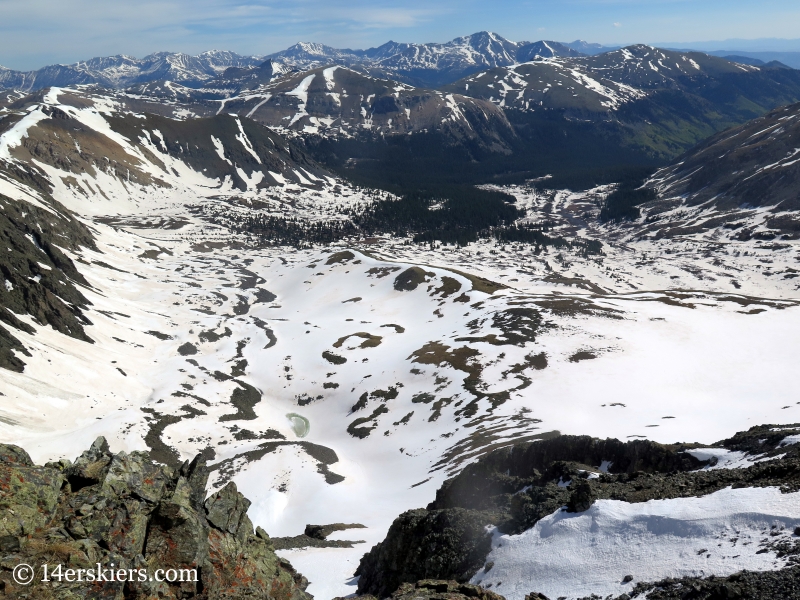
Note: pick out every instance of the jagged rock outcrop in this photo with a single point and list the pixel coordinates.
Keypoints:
(421, 544)
(123, 511)
(510, 469)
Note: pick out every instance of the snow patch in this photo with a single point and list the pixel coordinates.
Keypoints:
(578, 554)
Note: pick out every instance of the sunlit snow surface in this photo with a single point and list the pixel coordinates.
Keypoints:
(578, 554)
(641, 343)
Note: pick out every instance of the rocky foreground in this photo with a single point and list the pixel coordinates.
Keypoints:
(123, 511)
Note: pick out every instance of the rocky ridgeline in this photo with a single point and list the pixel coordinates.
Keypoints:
(515, 487)
(126, 512)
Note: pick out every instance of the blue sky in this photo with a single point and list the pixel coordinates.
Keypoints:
(34, 33)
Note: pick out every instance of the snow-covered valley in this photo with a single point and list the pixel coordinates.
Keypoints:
(344, 383)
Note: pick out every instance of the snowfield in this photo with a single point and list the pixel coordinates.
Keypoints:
(663, 372)
(577, 554)
(345, 383)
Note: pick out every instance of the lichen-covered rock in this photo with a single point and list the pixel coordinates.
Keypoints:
(135, 475)
(91, 466)
(227, 510)
(14, 455)
(178, 534)
(249, 569)
(28, 494)
(123, 511)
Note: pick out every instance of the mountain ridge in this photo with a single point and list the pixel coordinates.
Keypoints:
(466, 53)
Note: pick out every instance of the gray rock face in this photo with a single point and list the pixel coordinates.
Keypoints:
(135, 475)
(28, 494)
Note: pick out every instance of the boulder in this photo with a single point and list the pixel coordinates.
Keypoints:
(581, 498)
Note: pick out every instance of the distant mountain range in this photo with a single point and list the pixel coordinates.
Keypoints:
(475, 108)
(764, 50)
(427, 65)
(122, 71)
(422, 65)
(790, 59)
